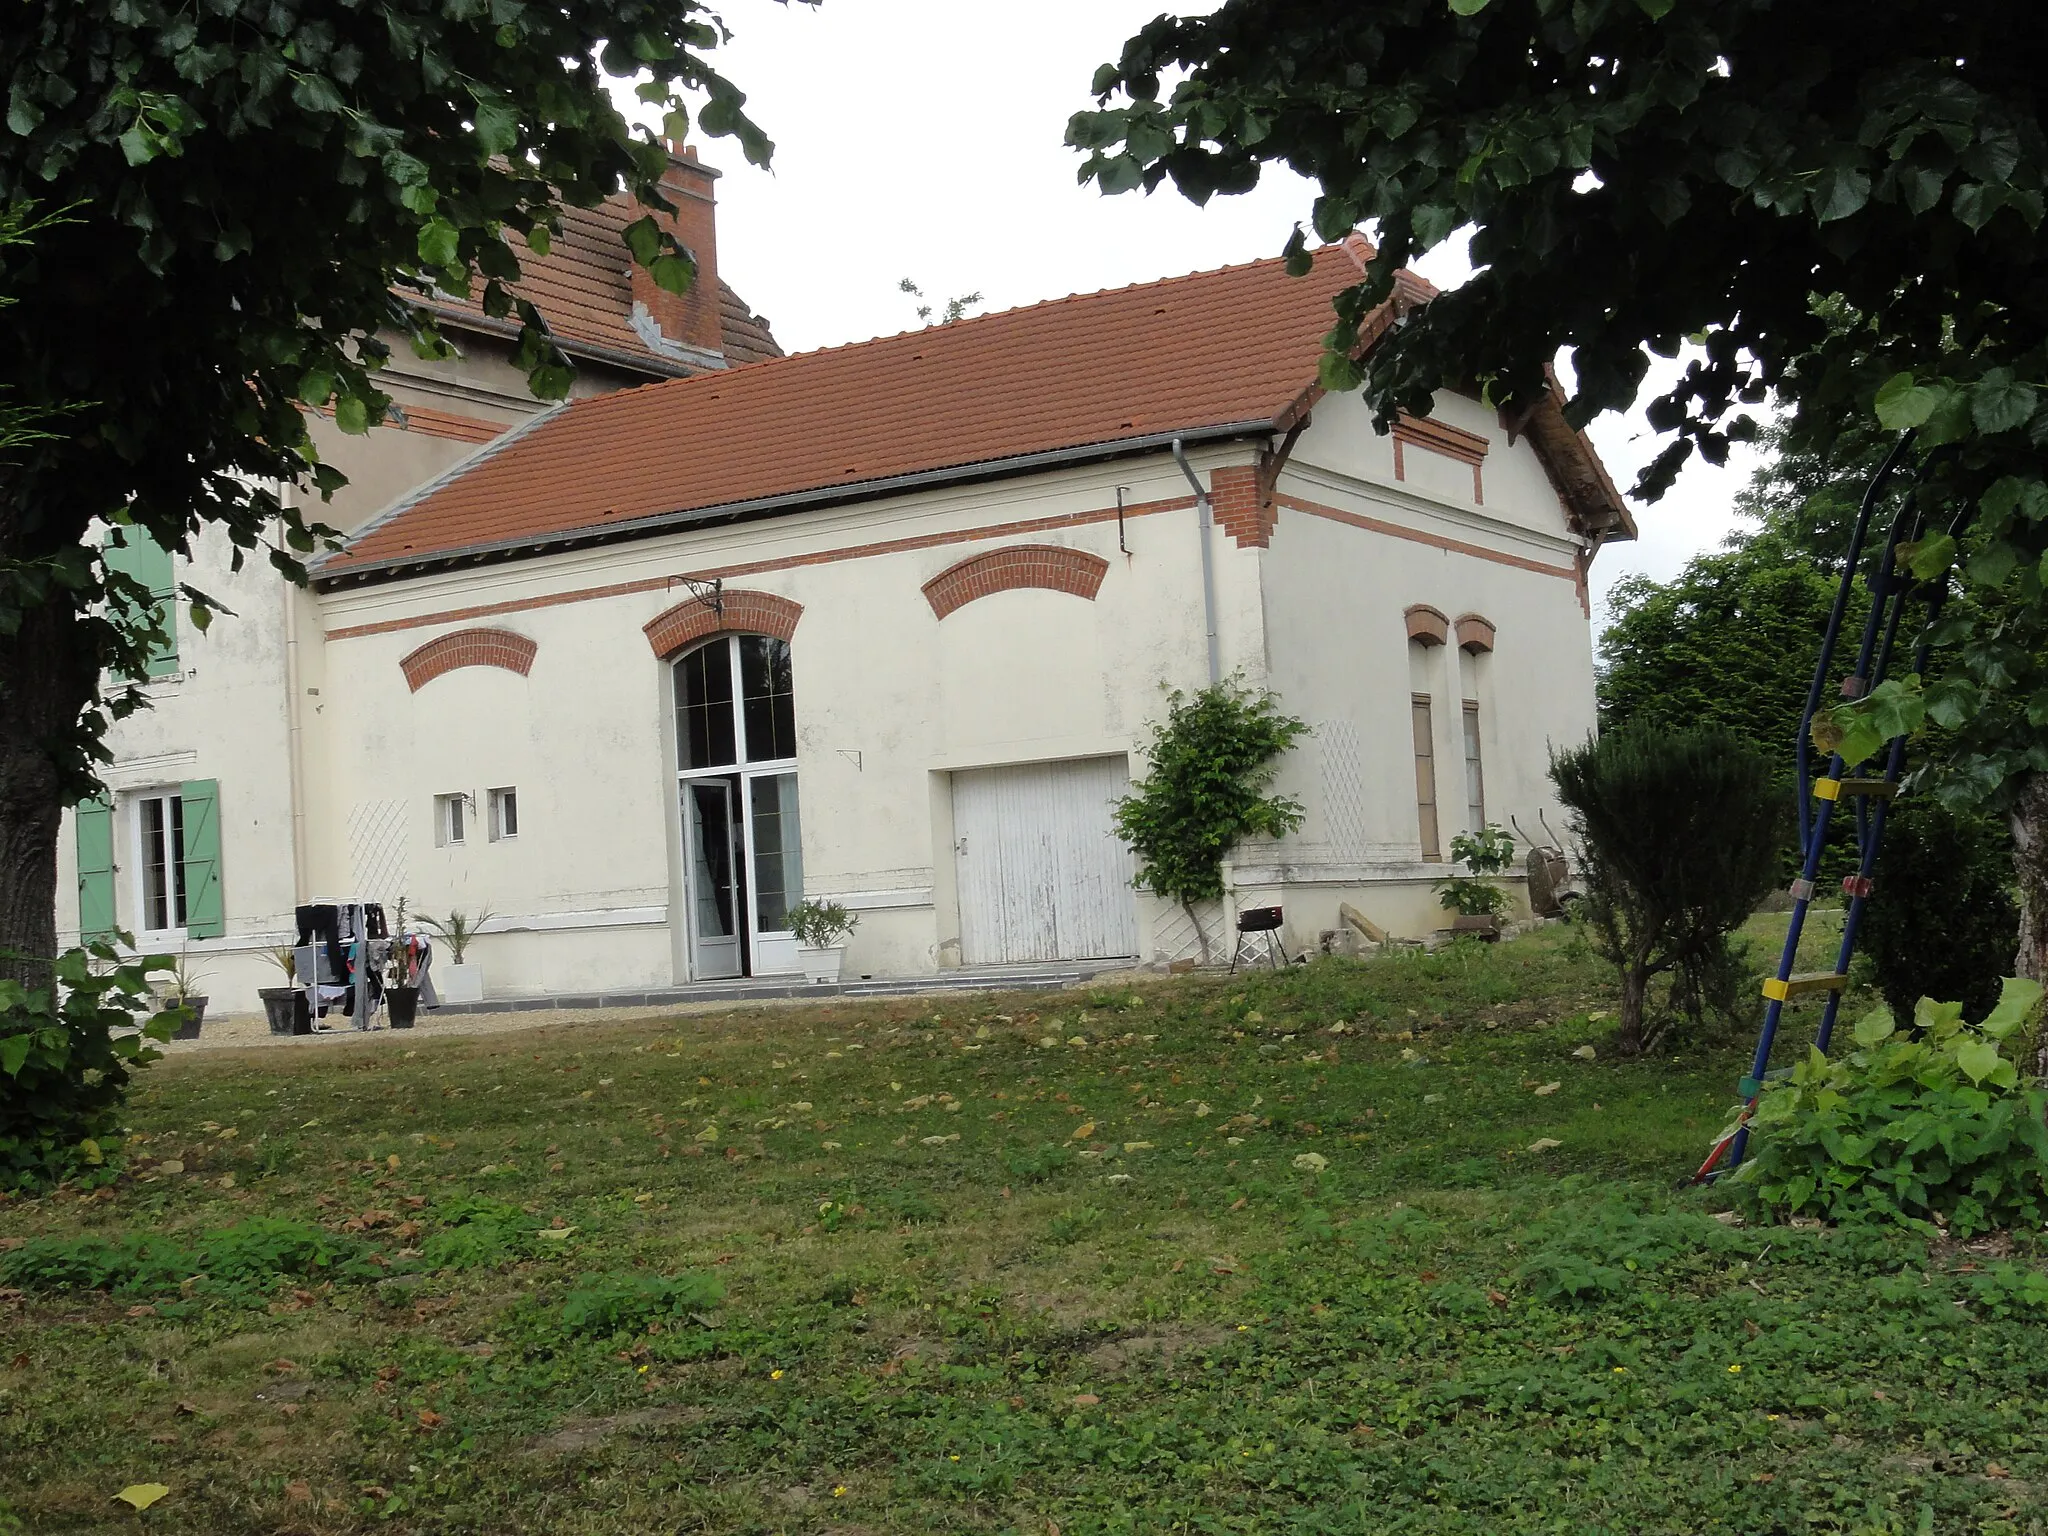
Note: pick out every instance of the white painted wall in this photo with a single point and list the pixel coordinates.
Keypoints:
(890, 703)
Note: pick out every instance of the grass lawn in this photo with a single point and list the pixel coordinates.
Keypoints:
(1359, 1247)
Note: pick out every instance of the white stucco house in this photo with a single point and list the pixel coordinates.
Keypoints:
(884, 624)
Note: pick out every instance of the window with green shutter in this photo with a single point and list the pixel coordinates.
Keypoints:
(134, 553)
(94, 824)
(205, 915)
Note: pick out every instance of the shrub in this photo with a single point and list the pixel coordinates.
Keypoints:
(603, 1305)
(66, 1054)
(1943, 921)
(1930, 1125)
(1211, 762)
(1486, 854)
(1680, 837)
(478, 1233)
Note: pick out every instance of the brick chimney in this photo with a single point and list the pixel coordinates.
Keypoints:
(689, 320)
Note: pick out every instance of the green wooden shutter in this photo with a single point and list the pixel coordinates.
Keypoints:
(205, 916)
(94, 820)
(133, 552)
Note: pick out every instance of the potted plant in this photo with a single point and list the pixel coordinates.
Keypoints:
(821, 928)
(180, 991)
(401, 974)
(458, 981)
(285, 1006)
(1476, 899)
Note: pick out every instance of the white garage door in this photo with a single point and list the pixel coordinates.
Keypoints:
(1042, 873)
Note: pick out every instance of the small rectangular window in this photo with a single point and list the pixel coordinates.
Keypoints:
(504, 814)
(450, 822)
(1425, 776)
(1475, 777)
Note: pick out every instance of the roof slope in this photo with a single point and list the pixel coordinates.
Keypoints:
(1231, 348)
(584, 287)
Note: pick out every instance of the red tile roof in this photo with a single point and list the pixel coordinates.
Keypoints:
(1235, 348)
(584, 288)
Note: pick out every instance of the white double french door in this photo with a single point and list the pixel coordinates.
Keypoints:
(737, 796)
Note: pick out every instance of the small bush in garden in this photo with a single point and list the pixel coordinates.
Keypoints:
(1931, 1126)
(66, 1053)
(477, 1233)
(1486, 854)
(603, 1305)
(1942, 921)
(1680, 835)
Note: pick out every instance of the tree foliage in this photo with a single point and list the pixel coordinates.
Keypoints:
(1210, 763)
(67, 1050)
(1839, 201)
(1680, 836)
(1942, 920)
(249, 192)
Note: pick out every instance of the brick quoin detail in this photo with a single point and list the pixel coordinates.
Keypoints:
(468, 648)
(1238, 501)
(1021, 565)
(752, 613)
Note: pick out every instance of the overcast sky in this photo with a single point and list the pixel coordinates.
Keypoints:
(922, 139)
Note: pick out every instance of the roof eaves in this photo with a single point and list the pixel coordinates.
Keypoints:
(448, 476)
(596, 352)
(396, 567)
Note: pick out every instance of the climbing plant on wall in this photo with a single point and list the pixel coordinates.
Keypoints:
(1211, 762)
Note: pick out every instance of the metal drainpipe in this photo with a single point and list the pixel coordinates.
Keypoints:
(1203, 519)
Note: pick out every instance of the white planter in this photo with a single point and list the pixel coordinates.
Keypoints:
(458, 983)
(822, 964)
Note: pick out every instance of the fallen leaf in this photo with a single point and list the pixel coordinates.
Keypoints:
(1083, 1131)
(163, 1439)
(144, 1310)
(142, 1495)
(1548, 1088)
(1137, 1146)
(555, 1234)
(186, 1405)
(1993, 1469)
(1544, 1144)
(430, 1419)
(298, 1493)
(1585, 1053)
(1086, 1400)
(171, 1165)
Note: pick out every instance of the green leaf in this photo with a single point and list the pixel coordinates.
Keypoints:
(1927, 558)
(1656, 10)
(643, 239)
(2017, 1000)
(316, 386)
(13, 1052)
(1875, 1027)
(1902, 404)
(352, 414)
(1999, 403)
(1468, 7)
(1979, 1059)
(497, 127)
(439, 243)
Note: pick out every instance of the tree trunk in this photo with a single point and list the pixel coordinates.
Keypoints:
(2029, 819)
(1635, 999)
(47, 678)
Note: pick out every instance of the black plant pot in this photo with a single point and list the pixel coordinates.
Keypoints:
(404, 1003)
(284, 1007)
(195, 1015)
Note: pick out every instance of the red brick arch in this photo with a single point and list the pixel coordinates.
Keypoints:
(468, 648)
(1426, 625)
(1475, 633)
(1019, 565)
(753, 613)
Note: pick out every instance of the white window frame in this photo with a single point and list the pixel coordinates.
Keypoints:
(745, 771)
(452, 815)
(138, 884)
(498, 799)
